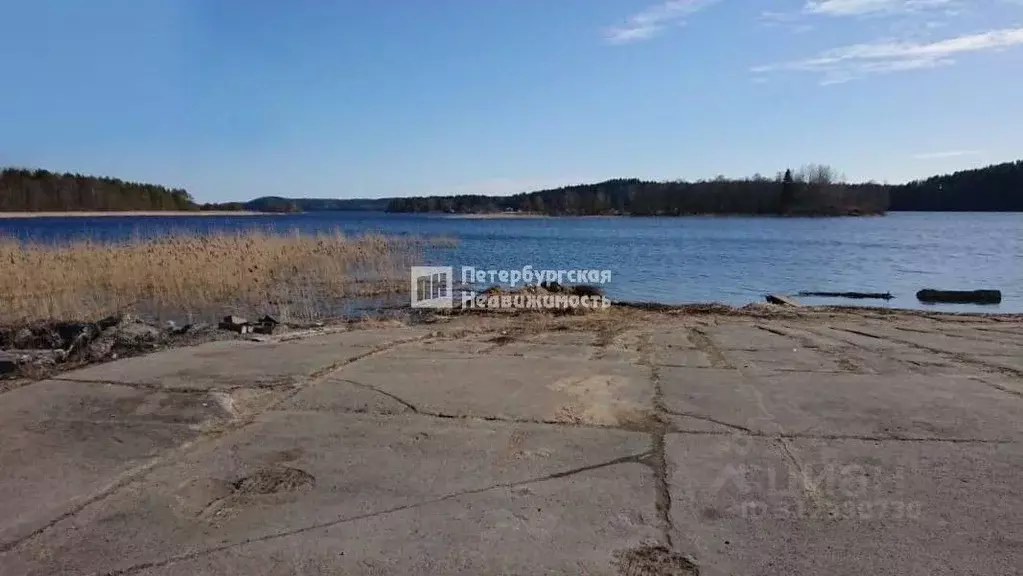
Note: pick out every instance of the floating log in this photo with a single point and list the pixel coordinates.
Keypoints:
(781, 300)
(960, 296)
(858, 295)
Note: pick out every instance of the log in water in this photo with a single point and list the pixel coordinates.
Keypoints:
(860, 295)
(960, 296)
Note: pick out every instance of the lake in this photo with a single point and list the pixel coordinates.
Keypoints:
(732, 260)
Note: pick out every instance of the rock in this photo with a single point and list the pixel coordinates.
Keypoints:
(23, 338)
(12, 362)
(552, 287)
(781, 300)
(235, 323)
(135, 334)
(100, 348)
(9, 363)
(586, 290)
(131, 336)
(960, 296)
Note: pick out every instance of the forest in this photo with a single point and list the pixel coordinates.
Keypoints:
(997, 188)
(23, 190)
(811, 190)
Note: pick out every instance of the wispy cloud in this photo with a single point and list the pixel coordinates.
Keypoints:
(861, 7)
(931, 12)
(653, 19)
(851, 62)
(946, 154)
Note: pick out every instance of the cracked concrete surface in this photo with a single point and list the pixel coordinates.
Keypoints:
(814, 442)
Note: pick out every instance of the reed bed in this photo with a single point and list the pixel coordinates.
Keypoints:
(293, 276)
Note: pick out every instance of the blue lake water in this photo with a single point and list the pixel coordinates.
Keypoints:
(671, 260)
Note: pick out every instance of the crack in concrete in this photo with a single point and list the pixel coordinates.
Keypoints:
(707, 419)
(774, 331)
(779, 437)
(703, 343)
(137, 473)
(955, 357)
(135, 568)
(858, 332)
(658, 460)
(805, 338)
(470, 417)
(153, 387)
(385, 393)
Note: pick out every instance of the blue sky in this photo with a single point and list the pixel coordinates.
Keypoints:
(234, 99)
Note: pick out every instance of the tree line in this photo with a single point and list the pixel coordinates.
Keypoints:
(997, 188)
(43, 191)
(811, 190)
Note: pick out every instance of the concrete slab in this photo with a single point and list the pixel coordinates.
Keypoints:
(241, 363)
(846, 507)
(431, 458)
(677, 337)
(490, 479)
(564, 526)
(747, 337)
(338, 395)
(904, 406)
(1012, 363)
(930, 338)
(541, 389)
(463, 347)
(787, 359)
(545, 350)
(716, 396)
(681, 357)
(65, 441)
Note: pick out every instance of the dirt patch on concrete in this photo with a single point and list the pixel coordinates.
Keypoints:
(274, 480)
(654, 561)
(597, 400)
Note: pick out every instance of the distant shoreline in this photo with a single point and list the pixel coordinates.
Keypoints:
(495, 215)
(95, 213)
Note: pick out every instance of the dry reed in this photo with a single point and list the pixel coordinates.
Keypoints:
(293, 276)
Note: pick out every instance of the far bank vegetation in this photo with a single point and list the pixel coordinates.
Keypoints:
(811, 190)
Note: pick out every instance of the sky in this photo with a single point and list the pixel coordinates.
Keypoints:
(234, 99)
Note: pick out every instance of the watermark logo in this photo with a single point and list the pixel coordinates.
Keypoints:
(759, 489)
(431, 287)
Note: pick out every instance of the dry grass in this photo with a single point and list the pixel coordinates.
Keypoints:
(294, 276)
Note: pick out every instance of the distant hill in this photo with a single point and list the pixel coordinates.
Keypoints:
(24, 190)
(997, 188)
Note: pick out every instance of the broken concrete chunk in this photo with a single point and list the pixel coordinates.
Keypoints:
(781, 300)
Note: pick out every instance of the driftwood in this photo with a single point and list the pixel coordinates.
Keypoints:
(859, 295)
(960, 296)
(781, 300)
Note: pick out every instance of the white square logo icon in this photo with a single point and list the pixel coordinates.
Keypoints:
(431, 287)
